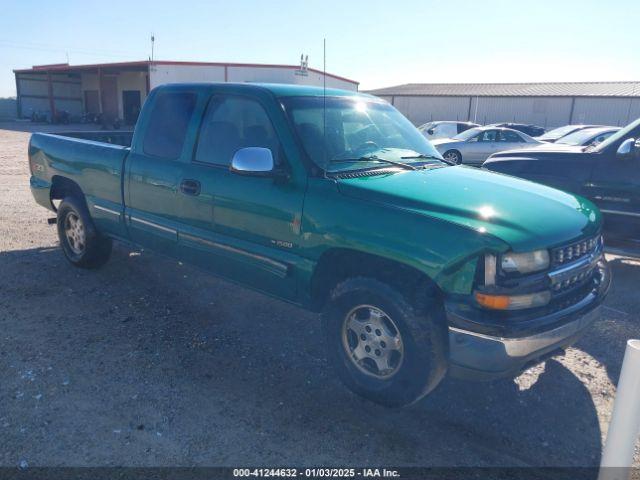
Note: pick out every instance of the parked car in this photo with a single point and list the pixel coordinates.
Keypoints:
(434, 130)
(419, 267)
(581, 138)
(587, 137)
(475, 145)
(531, 130)
(608, 174)
(554, 135)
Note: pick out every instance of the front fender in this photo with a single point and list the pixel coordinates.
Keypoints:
(444, 251)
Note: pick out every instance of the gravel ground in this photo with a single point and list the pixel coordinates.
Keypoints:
(147, 362)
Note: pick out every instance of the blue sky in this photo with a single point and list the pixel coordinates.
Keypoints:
(379, 43)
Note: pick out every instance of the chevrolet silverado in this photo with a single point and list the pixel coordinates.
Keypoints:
(334, 201)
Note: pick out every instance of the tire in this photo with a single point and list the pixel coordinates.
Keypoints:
(413, 366)
(81, 243)
(453, 156)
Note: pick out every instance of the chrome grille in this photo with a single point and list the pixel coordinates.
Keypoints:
(571, 281)
(575, 251)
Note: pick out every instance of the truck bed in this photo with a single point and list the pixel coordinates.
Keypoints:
(94, 161)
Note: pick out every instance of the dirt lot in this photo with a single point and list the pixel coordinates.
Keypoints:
(148, 362)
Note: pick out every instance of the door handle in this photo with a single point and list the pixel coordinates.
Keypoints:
(190, 187)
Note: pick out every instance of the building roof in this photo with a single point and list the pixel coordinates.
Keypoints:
(65, 67)
(559, 89)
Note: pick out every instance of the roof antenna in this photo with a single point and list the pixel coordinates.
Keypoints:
(324, 102)
(153, 40)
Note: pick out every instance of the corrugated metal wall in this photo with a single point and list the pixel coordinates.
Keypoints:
(34, 90)
(549, 112)
(161, 74)
(610, 111)
(544, 111)
(425, 109)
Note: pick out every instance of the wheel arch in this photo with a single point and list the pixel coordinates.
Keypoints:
(62, 187)
(458, 152)
(338, 264)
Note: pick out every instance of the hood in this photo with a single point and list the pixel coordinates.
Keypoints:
(525, 215)
(556, 147)
(545, 149)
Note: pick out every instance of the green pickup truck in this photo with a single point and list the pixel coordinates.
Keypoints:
(333, 201)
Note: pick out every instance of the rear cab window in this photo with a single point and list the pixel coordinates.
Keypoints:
(168, 124)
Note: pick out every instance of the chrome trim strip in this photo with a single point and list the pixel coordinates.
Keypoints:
(281, 267)
(107, 210)
(618, 212)
(154, 225)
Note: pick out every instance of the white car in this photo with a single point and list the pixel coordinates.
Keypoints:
(474, 146)
(448, 129)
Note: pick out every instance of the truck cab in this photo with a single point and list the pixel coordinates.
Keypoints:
(334, 201)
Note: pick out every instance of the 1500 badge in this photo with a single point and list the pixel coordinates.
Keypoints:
(612, 199)
(282, 244)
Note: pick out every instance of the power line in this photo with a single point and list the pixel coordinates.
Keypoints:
(62, 49)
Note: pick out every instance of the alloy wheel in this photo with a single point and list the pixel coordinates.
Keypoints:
(372, 341)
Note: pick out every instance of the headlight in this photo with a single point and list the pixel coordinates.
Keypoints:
(525, 262)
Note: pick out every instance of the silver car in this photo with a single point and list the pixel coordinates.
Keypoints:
(475, 145)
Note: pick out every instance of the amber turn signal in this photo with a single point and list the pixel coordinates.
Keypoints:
(513, 302)
(496, 302)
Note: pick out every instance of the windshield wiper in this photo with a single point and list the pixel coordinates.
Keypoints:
(428, 157)
(373, 158)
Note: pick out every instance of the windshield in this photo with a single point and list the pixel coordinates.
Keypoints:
(425, 126)
(578, 138)
(356, 127)
(559, 132)
(620, 134)
(467, 134)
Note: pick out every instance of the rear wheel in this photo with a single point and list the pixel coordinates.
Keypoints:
(383, 347)
(453, 156)
(80, 241)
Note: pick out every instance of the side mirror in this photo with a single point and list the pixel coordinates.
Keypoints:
(431, 131)
(255, 161)
(627, 149)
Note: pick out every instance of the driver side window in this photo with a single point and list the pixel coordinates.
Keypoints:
(488, 136)
(232, 123)
(511, 137)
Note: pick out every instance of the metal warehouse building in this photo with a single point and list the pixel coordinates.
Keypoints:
(546, 104)
(117, 90)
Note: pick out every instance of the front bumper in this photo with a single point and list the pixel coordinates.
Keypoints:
(474, 355)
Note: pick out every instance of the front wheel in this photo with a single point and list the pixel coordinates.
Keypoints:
(383, 347)
(453, 156)
(80, 241)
